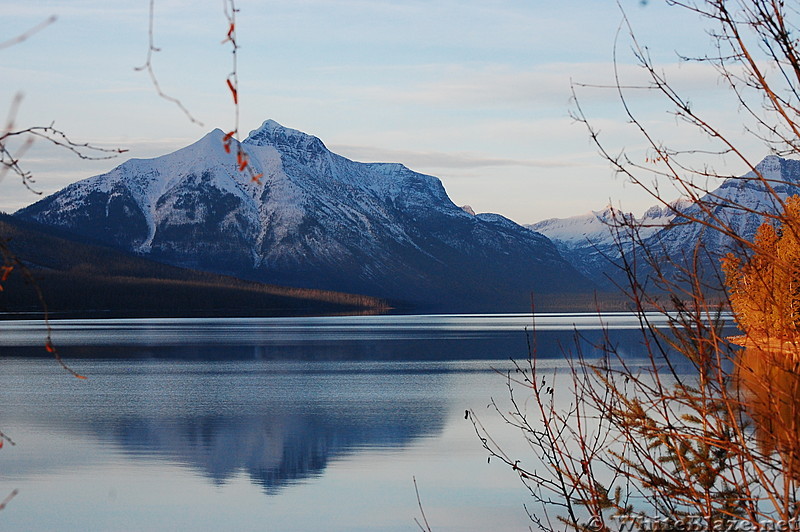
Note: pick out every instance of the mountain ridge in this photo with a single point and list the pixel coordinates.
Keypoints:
(316, 220)
(592, 243)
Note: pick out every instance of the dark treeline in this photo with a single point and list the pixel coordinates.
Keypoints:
(84, 279)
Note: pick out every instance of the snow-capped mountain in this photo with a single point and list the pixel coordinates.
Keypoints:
(739, 203)
(315, 220)
(592, 244)
(594, 227)
(589, 241)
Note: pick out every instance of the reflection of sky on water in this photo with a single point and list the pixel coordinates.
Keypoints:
(163, 331)
(341, 438)
(331, 426)
(277, 425)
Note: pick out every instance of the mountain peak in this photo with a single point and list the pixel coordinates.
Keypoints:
(271, 133)
(782, 175)
(212, 139)
(769, 160)
(774, 168)
(770, 167)
(270, 126)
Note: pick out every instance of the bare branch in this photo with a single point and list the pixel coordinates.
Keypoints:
(427, 527)
(29, 33)
(148, 67)
(719, 442)
(11, 161)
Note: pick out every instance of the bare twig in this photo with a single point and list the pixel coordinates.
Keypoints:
(148, 67)
(427, 527)
(8, 499)
(29, 33)
(242, 158)
(11, 161)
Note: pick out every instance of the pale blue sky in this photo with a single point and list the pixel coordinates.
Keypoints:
(476, 93)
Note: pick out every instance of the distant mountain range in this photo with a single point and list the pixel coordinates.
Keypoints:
(592, 245)
(315, 220)
(589, 241)
(319, 221)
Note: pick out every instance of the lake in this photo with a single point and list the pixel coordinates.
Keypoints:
(270, 424)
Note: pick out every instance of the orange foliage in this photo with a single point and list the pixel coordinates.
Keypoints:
(226, 141)
(764, 289)
(5, 271)
(770, 384)
(233, 90)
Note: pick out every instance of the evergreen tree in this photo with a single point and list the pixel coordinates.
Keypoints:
(764, 288)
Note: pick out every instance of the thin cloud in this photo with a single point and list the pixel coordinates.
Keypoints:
(493, 86)
(429, 159)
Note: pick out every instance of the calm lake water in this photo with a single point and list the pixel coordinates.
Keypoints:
(269, 424)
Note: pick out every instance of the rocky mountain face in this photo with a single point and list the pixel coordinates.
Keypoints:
(593, 245)
(315, 220)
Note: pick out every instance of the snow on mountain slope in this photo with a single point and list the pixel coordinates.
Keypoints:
(579, 230)
(597, 227)
(739, 203)
(589, 242)
(315, 220)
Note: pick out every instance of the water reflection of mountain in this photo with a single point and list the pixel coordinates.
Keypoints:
(275, 400)
(275, 422)
(276, 448)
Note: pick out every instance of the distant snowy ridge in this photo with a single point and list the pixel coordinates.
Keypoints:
(592, 243)
(598, 227)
